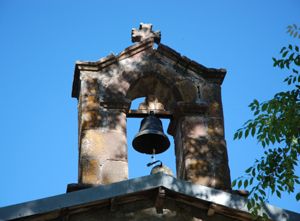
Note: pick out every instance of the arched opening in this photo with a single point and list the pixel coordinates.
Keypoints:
(137, 162)
(165, 91)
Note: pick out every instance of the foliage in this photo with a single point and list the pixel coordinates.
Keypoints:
(294, 31)
(276, 126)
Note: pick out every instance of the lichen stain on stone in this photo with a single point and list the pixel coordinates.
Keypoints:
(199, 172)
(90, 171)
(114, 171)
(109, 145)
(188, 90)
(92, 102)
(195, 127)
(214, 109)
(90, 119)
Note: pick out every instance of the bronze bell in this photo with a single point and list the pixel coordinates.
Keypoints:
(151, 139)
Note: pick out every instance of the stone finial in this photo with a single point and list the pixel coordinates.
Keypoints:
(144, 32)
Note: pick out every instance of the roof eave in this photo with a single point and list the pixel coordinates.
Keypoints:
(89, 196)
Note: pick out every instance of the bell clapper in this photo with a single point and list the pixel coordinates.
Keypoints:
(152, 163)
(152, 158)
(153, 155)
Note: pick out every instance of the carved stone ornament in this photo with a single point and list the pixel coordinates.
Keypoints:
(145, 32)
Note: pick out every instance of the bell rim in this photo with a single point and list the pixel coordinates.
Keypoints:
(159, 150)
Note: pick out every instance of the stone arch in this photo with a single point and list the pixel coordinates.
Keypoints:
(149, 77)
(165, 92)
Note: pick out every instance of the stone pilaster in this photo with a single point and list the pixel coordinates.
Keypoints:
(201, 154)
(102, 137)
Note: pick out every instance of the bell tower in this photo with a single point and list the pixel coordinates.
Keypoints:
(175, 87)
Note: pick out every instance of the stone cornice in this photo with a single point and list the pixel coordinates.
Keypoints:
(111, 59)
(107, 61)
(211, 74)
(208, 73)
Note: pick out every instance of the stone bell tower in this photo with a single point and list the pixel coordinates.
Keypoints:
(175, 87)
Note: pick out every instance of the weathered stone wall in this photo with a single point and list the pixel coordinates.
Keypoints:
(193, 96)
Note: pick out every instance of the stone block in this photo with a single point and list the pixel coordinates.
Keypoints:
(215, 127)
(104, 145)
(103, 119)
(113, 171)
(211, 93)
(194, 127)
(189, 92)
(90, 119)
(206, 162)
(96, 148)
(215, 109)
(89, 172)
(89, 87)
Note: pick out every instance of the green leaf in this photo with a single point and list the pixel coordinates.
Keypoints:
(248, 170)
(290, 47)
(291, 56)
(253, 172)
(246, 133)
(233, 183)
(285, 53)
(235, 135)
(262, 192)
(240, 134)
(264, 107)
(251, 180)
(246, 183)
(278, 193)
(267, 141)
(282, 49)
(249, 206)
(298, 196)
(253, 131)
(240, 184)
(297, 48)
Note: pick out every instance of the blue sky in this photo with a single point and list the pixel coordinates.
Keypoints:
(41, 40)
